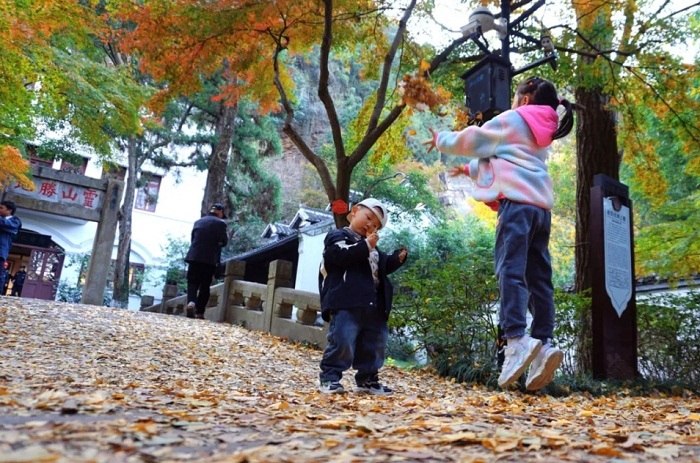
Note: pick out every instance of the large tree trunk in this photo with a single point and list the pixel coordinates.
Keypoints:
(121, 264)
(216, 176)
(597, 153)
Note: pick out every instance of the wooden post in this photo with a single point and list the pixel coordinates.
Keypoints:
(614, 311)
(101, 256)
(279, 275)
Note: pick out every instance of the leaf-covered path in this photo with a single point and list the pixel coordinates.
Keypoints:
(90, 384)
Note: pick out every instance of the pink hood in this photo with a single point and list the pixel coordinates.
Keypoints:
(542, 120)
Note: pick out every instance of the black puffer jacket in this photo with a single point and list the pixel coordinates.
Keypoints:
(208, 237)
(345, 278)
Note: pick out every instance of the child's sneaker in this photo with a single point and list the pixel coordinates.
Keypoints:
(374, 388)
(519, 353)
(543, 367)
(330, 387)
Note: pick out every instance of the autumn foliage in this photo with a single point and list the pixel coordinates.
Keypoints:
(14, 168)
(417, 92)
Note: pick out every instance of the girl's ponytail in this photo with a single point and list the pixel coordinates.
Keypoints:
(566, 123)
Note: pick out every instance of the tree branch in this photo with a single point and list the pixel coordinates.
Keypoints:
(288, 127)
(323, 92)
(386, 69)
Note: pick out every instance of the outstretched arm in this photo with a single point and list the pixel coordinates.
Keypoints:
(474, 141)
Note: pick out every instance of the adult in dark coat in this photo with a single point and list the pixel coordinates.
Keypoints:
(208, 237)
(18, 281)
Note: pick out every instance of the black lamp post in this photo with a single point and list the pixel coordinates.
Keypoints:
(487, 83)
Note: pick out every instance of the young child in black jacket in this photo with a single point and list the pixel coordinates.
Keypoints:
(356, 298)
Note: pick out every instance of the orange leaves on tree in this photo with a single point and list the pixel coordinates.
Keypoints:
(178, 42)
(417, 93)
(642, 155)
(14, 168)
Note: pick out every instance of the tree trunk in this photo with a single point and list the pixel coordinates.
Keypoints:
(597, 153)
(121, 264)
(218, 163)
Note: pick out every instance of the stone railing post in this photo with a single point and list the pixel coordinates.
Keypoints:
(235, 270)
(146, 301)
(169, 292)
(279, 275)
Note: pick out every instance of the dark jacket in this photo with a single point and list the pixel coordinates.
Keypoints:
(19, 278)
(9, 227)
(208, 237)
(345, 278)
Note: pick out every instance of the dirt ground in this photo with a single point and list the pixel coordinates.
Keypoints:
(92, 384)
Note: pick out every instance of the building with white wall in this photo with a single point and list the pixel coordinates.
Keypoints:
(169, 209)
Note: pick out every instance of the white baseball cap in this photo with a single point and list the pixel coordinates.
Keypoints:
(378, 208)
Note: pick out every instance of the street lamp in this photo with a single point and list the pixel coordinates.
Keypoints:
(368, 193)
(487, 83)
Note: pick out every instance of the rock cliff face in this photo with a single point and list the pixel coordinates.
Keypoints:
(300, 183)
(456, 191)
(291, 168)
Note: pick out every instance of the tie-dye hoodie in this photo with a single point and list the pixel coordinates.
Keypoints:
(510, 151)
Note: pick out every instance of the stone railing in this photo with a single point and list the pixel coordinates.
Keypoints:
(268, 308)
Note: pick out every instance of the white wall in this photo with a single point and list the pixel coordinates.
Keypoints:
(178, 207)
(310, 255)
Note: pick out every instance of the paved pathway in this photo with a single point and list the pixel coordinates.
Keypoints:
(89, 384)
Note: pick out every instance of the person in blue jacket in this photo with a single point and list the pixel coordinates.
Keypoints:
(356, 299)
(9, 227)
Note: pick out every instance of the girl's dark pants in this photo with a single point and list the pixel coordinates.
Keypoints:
(524, 269)
(356, 338)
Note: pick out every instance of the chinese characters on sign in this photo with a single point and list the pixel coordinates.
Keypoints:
(58, 192)
(618, 255)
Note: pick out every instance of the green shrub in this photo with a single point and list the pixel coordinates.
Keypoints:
(401, 349)
(446, 303)
(568, 310)
(668, 336)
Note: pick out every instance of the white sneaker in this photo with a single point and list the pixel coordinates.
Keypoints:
(519, 353)
(543, 367)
